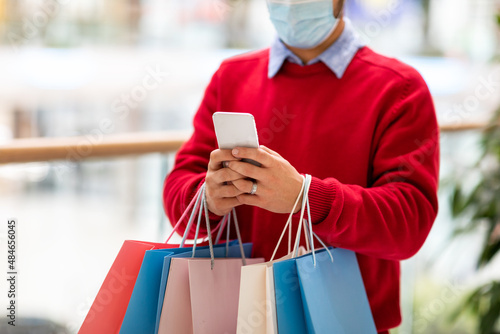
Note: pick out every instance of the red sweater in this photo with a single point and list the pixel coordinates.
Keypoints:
(369, 139)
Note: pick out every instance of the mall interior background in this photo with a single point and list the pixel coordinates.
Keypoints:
(67, 65)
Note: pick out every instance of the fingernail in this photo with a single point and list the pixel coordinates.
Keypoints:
(235, 151)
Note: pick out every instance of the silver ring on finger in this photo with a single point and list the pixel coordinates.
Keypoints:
(254, 188)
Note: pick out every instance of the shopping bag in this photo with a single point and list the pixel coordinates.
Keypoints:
(257, 302)
(289, 303)
(199, 299)
(109, 307)
(255, 307)
(258, 297)
(176, 314)
(333, 293)
(214, 290)
(141, 312)
(201, 295)
(322, 291)
(230, 250)
(215, 293)
(289, 312)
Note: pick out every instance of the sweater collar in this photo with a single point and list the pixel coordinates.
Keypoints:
(337, 57)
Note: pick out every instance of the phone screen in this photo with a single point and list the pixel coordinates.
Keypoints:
(236, 130)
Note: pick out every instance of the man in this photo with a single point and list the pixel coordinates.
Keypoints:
(362, 125)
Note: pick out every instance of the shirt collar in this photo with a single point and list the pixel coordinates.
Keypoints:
(337, 57)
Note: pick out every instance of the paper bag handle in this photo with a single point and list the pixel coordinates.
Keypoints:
(289, 220)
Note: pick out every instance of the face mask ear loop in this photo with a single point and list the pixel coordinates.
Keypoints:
(341, 12)
(337, 22)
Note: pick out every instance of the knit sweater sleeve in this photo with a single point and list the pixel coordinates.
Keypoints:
(192, 160)
(392, 217)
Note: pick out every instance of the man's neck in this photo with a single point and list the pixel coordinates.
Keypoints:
(307, 55)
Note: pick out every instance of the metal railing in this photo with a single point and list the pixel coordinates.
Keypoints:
(86, 147)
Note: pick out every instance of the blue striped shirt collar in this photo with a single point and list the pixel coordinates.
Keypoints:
(337, 57)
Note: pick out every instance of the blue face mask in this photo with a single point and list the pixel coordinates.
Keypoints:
(302, 24)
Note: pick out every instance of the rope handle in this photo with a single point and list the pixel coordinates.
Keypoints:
(199, 205)
(204, 207)
(304, 223)
(289, 220)
(307, 182)
(194, 200)
(309, 230)
(195, 206)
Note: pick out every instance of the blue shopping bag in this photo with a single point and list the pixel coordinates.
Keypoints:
(333, 294)
(289, 312)
(142, 309)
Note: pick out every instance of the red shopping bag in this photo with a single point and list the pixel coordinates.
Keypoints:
(110, 305)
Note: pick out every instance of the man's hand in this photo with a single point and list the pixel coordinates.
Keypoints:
(220, 190)
(278, 182)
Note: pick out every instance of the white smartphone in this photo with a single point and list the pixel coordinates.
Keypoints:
(236, 130)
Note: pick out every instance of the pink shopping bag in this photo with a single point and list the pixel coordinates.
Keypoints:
(201, 300)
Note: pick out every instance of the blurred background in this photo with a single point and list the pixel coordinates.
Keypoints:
(69, 66)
